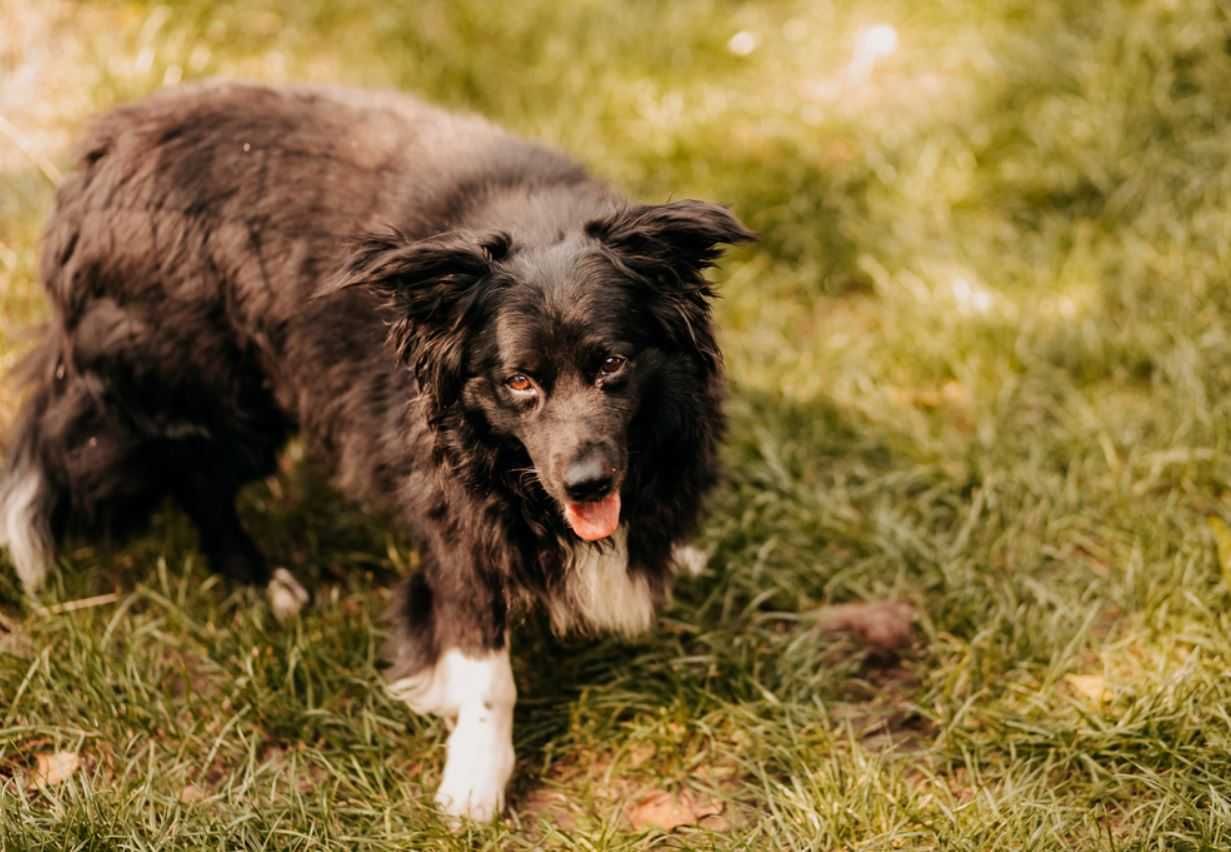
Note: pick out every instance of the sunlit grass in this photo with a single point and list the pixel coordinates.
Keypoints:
(979, 362)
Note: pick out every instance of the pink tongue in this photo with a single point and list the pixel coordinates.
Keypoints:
(593, 521)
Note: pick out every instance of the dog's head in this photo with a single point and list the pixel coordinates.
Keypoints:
(558, 347)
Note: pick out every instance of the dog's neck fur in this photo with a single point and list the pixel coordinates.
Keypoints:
(602, 592)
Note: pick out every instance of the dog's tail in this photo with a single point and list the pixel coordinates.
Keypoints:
(30, 496)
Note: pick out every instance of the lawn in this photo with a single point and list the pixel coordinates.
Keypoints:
(980, 363)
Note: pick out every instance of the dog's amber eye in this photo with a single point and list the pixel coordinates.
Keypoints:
(519, 382)
(612, 364)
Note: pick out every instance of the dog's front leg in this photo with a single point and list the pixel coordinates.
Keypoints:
(480, 749)
(450, 656)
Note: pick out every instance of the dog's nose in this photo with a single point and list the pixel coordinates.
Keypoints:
(589, 479)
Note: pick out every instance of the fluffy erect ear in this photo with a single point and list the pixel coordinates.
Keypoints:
(682, 235)
(669, 246)
(435, 286)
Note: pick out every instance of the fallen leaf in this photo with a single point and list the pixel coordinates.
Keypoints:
(53, 767)
(714, 774)
(15, 643)
(551, 805)
(886, 625)
(950, 393)
(191, 794)
(1090, 687)
(668, 811)
(640, 754)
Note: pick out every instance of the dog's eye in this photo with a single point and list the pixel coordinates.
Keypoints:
(519, 382)
(612, 364)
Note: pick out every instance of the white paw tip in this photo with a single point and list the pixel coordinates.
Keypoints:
(286, 596)
(476, 772)
(690, 560)
(468, 805)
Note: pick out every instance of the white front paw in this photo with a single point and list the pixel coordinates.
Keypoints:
(470, 802)
(476, 772)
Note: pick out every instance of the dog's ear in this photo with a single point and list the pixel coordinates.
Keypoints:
(680, 236)
(434, 287)
(669, 247)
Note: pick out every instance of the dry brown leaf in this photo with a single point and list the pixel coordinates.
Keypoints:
(641, 754)
(551, 805)
(950, 393)
(53, 767)
(668, 811)
(1090, 687)
(16, 643)
(886, 625)
(716, 773)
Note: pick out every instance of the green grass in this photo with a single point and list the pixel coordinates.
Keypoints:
(980, 362)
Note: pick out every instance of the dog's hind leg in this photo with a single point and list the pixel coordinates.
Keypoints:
(25, 523)
(210, 505)
(31, 501)
(209, 502)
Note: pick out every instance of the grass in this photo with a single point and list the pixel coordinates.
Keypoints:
(980, 362)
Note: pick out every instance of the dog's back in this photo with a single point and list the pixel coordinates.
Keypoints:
(180, 264)
(242, 197)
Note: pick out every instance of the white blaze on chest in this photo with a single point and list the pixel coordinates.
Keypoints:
(600, 593)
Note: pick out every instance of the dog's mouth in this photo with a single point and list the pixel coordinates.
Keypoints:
(596, 520)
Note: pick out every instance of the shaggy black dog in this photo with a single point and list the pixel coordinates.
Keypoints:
(478, 338)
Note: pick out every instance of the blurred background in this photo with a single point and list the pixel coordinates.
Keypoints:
(980, 365)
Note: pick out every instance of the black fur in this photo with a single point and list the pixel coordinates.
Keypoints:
(232, 263)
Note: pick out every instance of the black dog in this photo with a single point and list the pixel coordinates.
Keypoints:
(475, 335)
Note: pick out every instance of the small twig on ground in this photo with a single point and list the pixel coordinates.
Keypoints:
(82, 603)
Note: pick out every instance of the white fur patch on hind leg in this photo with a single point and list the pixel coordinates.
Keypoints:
(21, 529)
(286, 596)
(478, 694)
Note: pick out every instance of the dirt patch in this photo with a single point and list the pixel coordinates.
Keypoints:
(667, 811)
(884, 626)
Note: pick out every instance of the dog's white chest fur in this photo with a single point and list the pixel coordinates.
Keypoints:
(601, 594)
